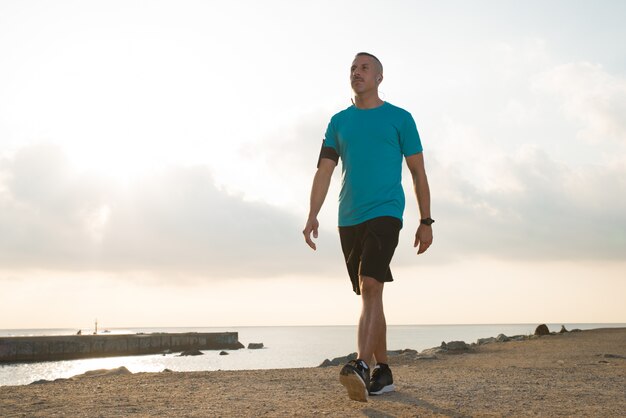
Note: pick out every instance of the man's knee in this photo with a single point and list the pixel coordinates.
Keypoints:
(370, 287)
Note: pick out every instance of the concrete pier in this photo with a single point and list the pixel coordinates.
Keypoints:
(70, 347)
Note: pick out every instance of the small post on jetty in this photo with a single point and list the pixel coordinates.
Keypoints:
(96, 328)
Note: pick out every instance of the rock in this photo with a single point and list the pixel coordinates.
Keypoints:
(325, 363)
(431, 351)
(560, 362)
(457, 347)
(614, 356)
(501, 338)
(482, 341)
(453, 347)
(41, 381)
(223, 353)
(106, 372)
(406, 351)
(338, 360)
(518, 338)
(103, 372)
(422, 356)
(191, 353)
(255, 346)
(542, 330)
(166, 371)
(563, 330)
(576, 330)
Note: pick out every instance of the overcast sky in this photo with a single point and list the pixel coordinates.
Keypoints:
(156, 160)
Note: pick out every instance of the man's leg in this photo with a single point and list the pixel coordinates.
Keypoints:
(372, 331)
(371, 340)
(372, 336)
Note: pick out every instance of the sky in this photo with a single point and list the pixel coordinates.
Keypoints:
(156, 159)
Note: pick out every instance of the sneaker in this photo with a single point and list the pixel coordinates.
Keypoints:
(355, 376)
(382, 380)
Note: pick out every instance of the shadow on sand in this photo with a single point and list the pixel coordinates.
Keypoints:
(406, 399)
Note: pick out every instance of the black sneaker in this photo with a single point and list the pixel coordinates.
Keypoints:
(382, 380)
(355, 376)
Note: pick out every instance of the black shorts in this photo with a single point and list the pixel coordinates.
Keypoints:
(368, 248)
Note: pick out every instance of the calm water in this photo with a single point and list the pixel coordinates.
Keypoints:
(286, 347)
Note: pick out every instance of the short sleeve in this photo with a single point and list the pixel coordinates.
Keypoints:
(410, 142)
(330, 138)
(329, 145)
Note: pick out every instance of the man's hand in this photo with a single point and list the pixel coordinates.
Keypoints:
(311, 226)
(423, 238)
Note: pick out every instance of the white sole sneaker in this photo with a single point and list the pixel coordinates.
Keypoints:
(355, 386)
(385, 389)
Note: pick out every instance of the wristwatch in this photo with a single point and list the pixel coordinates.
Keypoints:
(427, 221)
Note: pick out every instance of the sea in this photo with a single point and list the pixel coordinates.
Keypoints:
(284, 347)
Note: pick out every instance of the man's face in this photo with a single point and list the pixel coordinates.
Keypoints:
(363, 74)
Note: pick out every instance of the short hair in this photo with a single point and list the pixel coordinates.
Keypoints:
(367, 54)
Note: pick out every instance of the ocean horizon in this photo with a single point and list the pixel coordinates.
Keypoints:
(284, 347)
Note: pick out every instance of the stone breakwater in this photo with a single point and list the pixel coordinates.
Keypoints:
(71, 347)
(452, 347)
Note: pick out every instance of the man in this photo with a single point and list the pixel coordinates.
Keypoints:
(370, 137)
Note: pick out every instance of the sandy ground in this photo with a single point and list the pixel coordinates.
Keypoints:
(573, 374)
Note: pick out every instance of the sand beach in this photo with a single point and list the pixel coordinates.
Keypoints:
(570, 374)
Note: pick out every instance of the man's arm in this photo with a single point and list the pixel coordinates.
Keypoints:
(321, 182)
(424, 234)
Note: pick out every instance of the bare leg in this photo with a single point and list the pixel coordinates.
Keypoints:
(372, 332)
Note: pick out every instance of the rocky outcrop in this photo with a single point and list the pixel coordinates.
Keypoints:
(430, 352)
(223, 353)
(403, 352)
(452, 347)
(89, 374)
(563, 330)
(542, 330)
(191, 353)
(614, 356)
(104, 372)
(455, 347)
(255, 346)
(337, 361)
(518, 337)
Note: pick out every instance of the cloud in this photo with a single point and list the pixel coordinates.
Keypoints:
(540, 178)
(590, 97)
(175, 222)
(287, 159)
(550, 211)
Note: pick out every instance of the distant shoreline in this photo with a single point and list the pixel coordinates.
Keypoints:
(27, 332)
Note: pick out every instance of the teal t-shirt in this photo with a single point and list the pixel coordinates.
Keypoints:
(371, 144)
